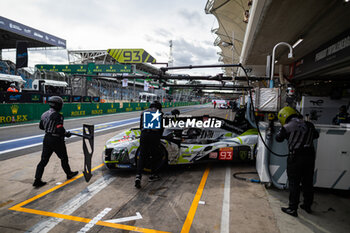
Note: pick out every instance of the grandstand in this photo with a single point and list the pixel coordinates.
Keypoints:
(109, 86)
(106, 86)
(11, 33)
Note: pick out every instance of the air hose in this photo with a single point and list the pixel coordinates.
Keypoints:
(250, 107)
(235, 175)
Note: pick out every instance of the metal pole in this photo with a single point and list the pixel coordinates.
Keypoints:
(198, 66)
(134, 94)
(290, 55)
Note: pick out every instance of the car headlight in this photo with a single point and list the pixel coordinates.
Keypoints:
(120, 154)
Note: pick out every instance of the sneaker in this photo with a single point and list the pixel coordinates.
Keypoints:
(306, 208)
(153, 178)
(71, 175)
(39, 183)
(138, 182)
(290, 211)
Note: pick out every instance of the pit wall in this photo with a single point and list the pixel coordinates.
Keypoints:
(17, 113)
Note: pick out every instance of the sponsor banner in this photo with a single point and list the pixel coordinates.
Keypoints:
(29, 32)
(18, 112)
(91, 68)
(329, 54)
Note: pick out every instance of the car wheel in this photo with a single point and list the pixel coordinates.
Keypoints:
(162, 160)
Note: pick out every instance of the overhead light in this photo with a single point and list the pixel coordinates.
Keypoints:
(299, 41)
(346, 0)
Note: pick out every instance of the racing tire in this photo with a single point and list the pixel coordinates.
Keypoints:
(163, 162)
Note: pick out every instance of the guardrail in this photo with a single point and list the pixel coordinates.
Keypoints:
(24, 112)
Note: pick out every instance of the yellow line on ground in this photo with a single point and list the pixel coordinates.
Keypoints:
(86, 220)
(19, 207)
(190, 216)
(51, 190)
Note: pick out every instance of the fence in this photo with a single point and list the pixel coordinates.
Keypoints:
(24, 112)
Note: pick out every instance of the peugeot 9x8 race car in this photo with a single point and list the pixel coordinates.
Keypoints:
(204, 139)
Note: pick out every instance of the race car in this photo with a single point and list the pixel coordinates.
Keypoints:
(186, 140)
(223, 106)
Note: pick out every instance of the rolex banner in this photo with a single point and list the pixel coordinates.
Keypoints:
(21, 54)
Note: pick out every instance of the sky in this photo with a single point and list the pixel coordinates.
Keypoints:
(104, 24)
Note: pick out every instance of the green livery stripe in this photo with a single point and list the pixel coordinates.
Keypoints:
(182, 160)
(132, 148)
(240, 140)
(111, 161)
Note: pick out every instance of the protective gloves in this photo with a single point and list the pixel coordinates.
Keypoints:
(67, 134)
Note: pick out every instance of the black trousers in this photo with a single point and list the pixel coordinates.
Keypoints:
(300, 170)
(149, 151)
(52, 144)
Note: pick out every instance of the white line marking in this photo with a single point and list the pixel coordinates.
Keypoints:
(73, 136)
(20, 148)
(80, 128)
(92, 223)
(225, 215)
(314, 224)
(126, 219)
(72, 205)
(71, 119)
(201, 202)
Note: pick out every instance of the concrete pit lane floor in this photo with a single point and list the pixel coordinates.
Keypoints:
(198, 198)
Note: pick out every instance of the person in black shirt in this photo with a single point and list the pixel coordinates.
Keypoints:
(301, 160)
(52, 122)
(149, 145)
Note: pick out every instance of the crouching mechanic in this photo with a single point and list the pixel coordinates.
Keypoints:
(301, 159)
(52, 122)
(149, 144)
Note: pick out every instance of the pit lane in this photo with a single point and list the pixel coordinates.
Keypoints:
(200, 198)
